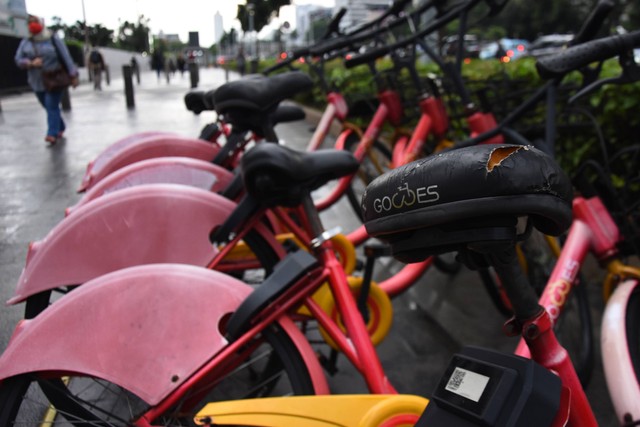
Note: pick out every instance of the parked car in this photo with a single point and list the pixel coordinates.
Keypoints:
(471, 46)
(546, 45)
(505, 49)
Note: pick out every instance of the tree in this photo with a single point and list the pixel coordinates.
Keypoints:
(263, 12)
(97, 34)
(134, 36)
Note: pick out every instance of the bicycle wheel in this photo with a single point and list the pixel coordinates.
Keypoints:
(632, 323)
(274, 368)
(266, 255)
(376, 162)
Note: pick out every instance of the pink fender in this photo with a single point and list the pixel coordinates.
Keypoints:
(618, 366)
(146, 224)
(163, 145)
(145, 328)
(170, 170)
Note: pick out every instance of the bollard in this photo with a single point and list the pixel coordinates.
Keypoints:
(128, 85)
(193, 74)
(226, 74)
(107, 75)
(137, 75)
(65, 101)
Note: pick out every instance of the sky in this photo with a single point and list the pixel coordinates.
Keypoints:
(171, 17)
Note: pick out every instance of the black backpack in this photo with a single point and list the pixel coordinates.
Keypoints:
(95, 57)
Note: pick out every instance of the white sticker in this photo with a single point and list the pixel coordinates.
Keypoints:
(467, 384)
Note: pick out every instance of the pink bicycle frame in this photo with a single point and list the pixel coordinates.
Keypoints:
(593, 230)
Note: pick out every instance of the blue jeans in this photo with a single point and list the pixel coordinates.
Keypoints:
(51, 103)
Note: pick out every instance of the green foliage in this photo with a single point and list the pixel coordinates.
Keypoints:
(134, 36)
(499, 88)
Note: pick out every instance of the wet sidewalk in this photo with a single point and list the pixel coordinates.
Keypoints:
(432, 320)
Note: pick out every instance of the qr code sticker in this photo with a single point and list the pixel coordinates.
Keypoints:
(456, 379)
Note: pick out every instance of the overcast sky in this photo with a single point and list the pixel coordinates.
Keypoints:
(170, 17)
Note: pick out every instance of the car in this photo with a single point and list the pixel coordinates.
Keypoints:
(471, 46)
(549, 44)
(505, 49)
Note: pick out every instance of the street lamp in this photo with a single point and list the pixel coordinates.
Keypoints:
(251, 9)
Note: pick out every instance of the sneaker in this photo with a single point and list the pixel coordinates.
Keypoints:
(60, 134)
(50, 139)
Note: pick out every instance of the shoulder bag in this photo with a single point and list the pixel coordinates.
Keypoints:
(59, 78)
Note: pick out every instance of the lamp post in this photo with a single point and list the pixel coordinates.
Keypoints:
(254, 51)
(251, 9)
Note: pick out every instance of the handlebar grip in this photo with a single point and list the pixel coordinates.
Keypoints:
(578, 56)
(334, 25)
(593, 22)
(367, 57)
(329, 46)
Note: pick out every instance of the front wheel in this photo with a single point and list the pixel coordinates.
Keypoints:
(274, 367)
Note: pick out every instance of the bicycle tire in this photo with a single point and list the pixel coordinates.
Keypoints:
(267, 256)
(368, 171)
(632, 325)
(25, 399)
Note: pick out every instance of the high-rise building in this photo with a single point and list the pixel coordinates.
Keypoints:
(218, 29)
(360, 11)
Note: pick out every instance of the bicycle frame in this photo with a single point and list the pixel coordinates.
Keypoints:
(593, 230)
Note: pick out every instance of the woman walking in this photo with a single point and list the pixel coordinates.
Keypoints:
(44, 52)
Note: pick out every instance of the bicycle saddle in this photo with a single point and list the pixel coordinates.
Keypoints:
(259, 93)
(278, 175)
(446, 201)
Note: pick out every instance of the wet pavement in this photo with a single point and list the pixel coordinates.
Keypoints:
(432, 320)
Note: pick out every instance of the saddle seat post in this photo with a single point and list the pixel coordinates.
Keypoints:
(533, 323)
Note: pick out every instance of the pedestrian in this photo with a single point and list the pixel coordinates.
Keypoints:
(157, 62)
(96, 67)
(182, 64)
(241, 61)
(42, 52)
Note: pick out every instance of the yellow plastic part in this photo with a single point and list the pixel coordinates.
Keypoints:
(379, 304)
(617, 272)
(314, 411)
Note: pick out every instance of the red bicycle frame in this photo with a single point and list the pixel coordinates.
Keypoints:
(593, 230)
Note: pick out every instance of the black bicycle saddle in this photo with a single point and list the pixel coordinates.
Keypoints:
(278, 175)
(259, 93)
(448, 200)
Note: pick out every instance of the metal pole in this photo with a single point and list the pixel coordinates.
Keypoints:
(65, 101)
(128, 85)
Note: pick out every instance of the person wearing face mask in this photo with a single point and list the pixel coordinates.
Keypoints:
(37, 53)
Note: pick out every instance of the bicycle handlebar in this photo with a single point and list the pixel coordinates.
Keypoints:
(593, 22)
(334, 25)
(438, 23)
(576, 57)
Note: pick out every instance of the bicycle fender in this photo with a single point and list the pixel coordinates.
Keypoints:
(152, 223)
(618, 366)
(162, 145)
(115, 147)
(146, 328)
(316, 411)
(170, 170)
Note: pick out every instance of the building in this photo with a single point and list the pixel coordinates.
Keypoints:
(305, 15)
(218, 28)
(360, 11)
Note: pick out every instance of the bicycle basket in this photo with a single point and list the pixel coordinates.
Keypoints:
(617, 183)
